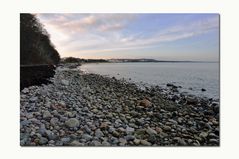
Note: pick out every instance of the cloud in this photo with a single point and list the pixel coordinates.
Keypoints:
(178, 32)
(111, 27)
(79, 23)
(95, 33)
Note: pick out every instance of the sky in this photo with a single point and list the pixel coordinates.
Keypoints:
(157, 36)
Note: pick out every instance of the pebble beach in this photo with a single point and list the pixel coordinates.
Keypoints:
(82, 109)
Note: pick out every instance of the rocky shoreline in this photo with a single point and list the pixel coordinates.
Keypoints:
(79, 109)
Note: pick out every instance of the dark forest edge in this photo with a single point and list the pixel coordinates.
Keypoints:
(38, 55)
(35, 44)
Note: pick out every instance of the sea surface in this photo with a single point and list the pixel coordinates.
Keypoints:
(192, 76)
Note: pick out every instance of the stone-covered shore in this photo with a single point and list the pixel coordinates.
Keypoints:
(79, 109)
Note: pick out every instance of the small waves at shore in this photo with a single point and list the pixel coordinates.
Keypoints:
(190, 77)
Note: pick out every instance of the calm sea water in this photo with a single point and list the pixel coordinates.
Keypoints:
(193, 76)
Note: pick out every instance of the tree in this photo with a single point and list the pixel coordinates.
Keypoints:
(35, 44)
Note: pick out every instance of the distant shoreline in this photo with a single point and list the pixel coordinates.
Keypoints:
(152, 62)
(171, 62)
(126, 60)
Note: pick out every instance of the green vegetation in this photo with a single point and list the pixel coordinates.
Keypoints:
(35, 44)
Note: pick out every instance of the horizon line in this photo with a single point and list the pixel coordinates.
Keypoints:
(155, 60)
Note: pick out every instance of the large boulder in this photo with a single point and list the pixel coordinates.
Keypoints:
(72, 123)
(65, 82)
(191, 100)
(145, 103)
(151, 131)
(46, 114)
